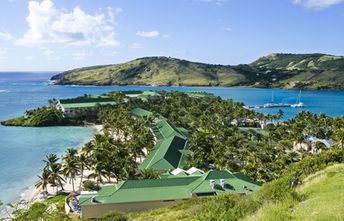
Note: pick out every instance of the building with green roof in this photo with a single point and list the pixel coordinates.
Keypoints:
(141, 195)
(143, 95)
(170, 149)
(70, 106)
(139, 112)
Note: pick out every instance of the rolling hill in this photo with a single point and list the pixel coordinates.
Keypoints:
(293, 71)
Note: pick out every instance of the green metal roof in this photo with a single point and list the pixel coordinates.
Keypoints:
(139, 112)
(87, 101)
(87, 105)
(167, 154)
(170, 188)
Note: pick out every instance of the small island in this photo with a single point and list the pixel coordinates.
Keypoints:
(180, 155)
(288, 71)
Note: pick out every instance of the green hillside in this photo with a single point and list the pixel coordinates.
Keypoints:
(292, 71)
(312, 71)
(159, 71)
(322, 199)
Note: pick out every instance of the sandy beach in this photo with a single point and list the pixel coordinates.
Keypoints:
(31, 194)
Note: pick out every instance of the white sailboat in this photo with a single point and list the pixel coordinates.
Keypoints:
(298, 103)
(272, 103)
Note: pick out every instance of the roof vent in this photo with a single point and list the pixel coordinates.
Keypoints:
(222, 183)
(212, 184)
(94, 200)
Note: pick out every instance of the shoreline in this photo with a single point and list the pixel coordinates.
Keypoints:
(30, 194)
(192, 86)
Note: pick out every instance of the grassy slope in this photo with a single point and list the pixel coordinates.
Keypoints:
(323, 199)
(312, 71)
(182, 211)
(159, 71)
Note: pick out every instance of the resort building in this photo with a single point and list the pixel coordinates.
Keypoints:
(170, 150)
(71, 106)
(143, 95)
(176, 186)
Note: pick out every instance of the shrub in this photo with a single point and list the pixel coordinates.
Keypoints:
(90, 185)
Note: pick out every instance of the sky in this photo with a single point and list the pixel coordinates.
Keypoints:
(58, 35)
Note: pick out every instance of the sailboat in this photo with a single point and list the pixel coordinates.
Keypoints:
(272, 103)
(298, 103)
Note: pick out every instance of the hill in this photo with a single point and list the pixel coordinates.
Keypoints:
(159, 71)
(292, 71)
(311, 71)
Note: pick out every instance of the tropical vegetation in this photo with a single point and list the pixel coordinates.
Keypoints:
(222, 134)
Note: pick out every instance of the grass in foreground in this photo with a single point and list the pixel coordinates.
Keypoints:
(322, 199)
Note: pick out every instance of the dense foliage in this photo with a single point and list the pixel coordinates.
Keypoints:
(222, 134)
(44, 116)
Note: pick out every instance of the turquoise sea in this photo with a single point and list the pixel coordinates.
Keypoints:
(22, 149)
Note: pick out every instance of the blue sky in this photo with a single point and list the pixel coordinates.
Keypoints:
(42, 35)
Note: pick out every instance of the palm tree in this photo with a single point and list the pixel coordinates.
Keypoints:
(70, 169)
(50, 160)
(56, 178)
(339, 136)
(43, 180)
(98, 173)
(83, 163)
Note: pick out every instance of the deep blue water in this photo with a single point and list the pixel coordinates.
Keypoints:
(22, 149)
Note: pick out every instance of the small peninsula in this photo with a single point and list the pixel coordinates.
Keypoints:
(289, 71)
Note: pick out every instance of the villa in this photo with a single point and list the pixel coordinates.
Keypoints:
(176, 186)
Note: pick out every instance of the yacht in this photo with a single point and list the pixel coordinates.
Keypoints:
(298, 103)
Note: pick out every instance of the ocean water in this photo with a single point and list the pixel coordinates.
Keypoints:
(23, 149)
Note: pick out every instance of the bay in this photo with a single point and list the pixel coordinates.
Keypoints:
(23, 149)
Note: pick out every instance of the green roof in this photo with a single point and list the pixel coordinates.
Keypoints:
(167, 154)
(87, 105)
(87, 101)
(139, 112)
(170, 188)
(143, 95)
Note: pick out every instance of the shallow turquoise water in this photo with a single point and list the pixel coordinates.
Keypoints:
(22, 149)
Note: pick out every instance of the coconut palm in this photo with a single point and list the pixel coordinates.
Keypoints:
(339, 136)
(50, 160)
(71, 168)
(56, 178)
(83, 163)
(44, 180)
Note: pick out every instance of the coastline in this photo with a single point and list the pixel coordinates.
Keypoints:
(30, 194)
(75, 84)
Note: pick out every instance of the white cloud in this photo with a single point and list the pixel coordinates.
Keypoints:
(5, 36)
(227, 29)
(148, 34)
(47, 24)
(317, 4)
